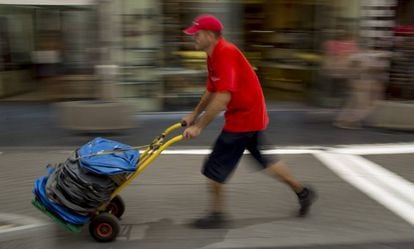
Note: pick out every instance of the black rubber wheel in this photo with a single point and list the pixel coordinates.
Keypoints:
(116, 207)
(104, 227)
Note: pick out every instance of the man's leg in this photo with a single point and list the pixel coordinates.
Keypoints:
(277, 168)
(217, 205)
(280, 170)
(306, 195)
(222, 161)
(215, 218)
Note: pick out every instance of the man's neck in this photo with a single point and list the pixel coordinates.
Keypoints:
(210, 49)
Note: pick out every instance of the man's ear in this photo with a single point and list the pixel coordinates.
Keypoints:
(211, 35)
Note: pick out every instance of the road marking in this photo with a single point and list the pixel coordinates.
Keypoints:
(377, 149)
(186, 152)
(368, 149)
(16, 228)
(389, 189)
(284, 150)
(6, 226)
(18, 223)
(208, 151)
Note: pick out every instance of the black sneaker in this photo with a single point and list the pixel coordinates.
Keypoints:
(306, 199)
(213, 220)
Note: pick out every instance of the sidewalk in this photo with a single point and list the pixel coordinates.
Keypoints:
(35, 124)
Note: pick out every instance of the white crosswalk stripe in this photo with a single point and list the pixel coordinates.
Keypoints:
(382, 185)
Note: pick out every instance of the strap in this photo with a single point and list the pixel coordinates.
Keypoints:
(112, 151)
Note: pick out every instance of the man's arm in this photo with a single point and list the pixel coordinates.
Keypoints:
(201, 106)
(204, 102)
(217, 104)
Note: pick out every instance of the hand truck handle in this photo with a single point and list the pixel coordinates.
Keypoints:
(172, 128)
(144, 163)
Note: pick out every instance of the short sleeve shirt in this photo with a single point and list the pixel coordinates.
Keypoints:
(229, 70)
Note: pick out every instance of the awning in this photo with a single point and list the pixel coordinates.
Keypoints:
(49, 2)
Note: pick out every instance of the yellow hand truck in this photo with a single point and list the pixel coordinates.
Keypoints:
(104, 225)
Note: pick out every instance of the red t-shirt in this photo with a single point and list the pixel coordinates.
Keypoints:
(229, 70)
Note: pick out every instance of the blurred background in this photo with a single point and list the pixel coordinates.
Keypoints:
(123, 69)
(135, 51)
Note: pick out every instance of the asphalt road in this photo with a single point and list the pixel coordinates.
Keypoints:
(355, 208)
(365, 190)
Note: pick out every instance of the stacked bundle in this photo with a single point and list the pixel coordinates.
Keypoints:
(86, 180)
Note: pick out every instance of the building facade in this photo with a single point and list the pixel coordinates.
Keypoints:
(77, 49)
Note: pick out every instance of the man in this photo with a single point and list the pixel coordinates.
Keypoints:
(232, 86)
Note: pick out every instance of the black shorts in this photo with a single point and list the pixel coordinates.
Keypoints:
(228, 150)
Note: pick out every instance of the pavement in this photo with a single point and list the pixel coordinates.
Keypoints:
(36, 124)
(168, 195)
(163, 201)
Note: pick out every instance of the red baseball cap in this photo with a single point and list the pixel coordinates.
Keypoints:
(204, 22)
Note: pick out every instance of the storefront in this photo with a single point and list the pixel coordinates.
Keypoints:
(289, 42)
(280, 38)
(44, 39)
(401, 84)
(16, 44)
(154, 64)
(183, 70)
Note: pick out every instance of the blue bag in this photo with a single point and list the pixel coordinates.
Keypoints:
(62, 212)
(124, 161)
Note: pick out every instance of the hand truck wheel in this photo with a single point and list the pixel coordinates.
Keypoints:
(116, 207)
(104, 227)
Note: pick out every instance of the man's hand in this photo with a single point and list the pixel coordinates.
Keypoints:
(192, 132)
(188, 120)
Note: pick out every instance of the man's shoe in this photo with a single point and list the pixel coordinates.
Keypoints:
(213, 220)
(306, 199)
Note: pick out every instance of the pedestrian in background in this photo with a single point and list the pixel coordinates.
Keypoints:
(335, 66)
(233, 87)
(366, 87)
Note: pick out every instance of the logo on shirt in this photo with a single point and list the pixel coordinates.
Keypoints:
(214, 78)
